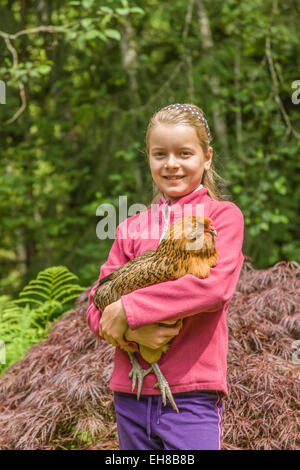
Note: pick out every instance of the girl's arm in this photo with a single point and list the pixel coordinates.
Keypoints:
(190, 295)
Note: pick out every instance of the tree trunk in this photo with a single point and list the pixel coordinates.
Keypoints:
(20, 250)
(29, 247)
(238, 113)
(129, 61)
(187, 53)
(207, 44)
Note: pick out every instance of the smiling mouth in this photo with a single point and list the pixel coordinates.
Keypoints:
(173, 177)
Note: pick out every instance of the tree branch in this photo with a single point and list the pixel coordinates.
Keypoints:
(276, 89)
(14, 54)
(268, 54)
(9, 37)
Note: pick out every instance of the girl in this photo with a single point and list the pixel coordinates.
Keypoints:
(180, 160)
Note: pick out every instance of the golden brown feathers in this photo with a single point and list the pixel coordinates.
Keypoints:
(188, 247)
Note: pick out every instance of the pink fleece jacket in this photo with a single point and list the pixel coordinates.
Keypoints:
(196, 359)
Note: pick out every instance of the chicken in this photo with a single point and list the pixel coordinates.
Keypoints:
(185, 249)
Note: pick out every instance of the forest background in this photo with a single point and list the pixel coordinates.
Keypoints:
(81, 81)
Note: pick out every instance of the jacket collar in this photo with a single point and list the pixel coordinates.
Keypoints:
(184, 199)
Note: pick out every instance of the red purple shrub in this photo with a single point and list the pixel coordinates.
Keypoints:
(57, 396)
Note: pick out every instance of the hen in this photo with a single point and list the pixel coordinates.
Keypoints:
(188, 247)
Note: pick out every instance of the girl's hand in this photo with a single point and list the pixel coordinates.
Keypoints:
(113, 324)
(153, 336)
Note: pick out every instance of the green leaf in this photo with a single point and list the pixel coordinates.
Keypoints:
(92, 34)
(105, 10)
(137, 10)
(86, 22)
(280, 185)
(87, 3)
(44, 69)
(113, 34)
(123, 11)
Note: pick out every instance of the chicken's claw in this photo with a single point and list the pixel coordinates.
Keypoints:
(137, 373)
(163, 385)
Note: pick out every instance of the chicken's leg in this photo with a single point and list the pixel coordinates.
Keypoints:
(137, 373)
(163, 385)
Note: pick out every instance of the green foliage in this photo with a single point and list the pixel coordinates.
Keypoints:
(91, 87)
(24, 322)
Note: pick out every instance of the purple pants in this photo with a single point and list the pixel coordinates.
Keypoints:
(146, 424)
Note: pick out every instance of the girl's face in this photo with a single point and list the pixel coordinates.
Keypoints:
(176, 159)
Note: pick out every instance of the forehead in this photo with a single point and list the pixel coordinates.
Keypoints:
(173, 135)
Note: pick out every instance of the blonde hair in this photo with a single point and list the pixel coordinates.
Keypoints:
(185, 117)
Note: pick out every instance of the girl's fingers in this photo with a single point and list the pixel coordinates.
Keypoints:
(108, 339)
(113, 341)
(169, 332)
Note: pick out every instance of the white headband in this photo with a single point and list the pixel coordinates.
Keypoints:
(194, 111)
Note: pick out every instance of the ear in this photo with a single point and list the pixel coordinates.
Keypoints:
(208, 159)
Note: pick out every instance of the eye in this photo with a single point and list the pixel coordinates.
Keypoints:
(185, 153)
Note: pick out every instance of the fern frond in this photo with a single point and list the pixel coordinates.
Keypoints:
(56, 272)
(28, 290)
(51, 284)
(66, 275)
(28, 300)
(67, 299)
(63, 279)
(66, 289)
(41, 284)
(10, 311)
(25, 321)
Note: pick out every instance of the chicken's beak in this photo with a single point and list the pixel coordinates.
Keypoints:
(214, 232)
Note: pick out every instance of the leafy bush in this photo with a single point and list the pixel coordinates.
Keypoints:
(24, 322)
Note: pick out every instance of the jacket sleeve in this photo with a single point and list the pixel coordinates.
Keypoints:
(189, 295)
(118, 255)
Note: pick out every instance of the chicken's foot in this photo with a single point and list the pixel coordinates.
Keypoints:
(137, 373)
(163, 385)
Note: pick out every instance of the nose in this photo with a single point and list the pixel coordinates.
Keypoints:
(171, 162)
